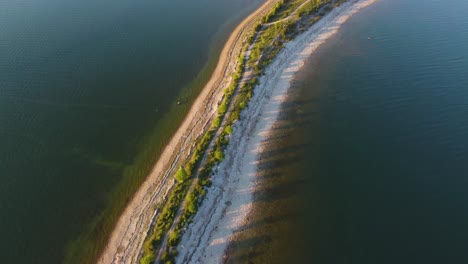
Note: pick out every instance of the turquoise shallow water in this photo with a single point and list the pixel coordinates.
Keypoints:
(383, 117)
(82, 87)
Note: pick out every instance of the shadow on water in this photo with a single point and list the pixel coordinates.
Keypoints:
(277, 212)
(267, 220)
(247, 249)
(281, 161)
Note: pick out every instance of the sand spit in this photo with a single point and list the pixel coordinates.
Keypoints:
(228, 203)
(127, 238)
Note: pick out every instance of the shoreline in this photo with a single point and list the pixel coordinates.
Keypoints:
(230, 200)
(128, 236)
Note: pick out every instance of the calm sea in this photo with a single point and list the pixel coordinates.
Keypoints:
(87, 100)
(370, 164)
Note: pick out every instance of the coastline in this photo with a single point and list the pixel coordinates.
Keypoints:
(230, 200)
(127, 237)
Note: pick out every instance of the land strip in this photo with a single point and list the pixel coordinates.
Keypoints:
(193, 177)
(126, 240)
(228, 203)
(170, 198)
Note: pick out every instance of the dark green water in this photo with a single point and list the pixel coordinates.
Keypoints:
(369, 163)
(385, 134)
(87, 100)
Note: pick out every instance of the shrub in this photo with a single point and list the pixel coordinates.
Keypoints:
(216, 123)
(148, 259)
(222, 108)
(181, 175)
(191, 201)
(219, 155)
(173, 237)
(164, 256)
(228, 130)
(242, 105)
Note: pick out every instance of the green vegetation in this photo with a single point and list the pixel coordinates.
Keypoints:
(228, 130)
(181, 175)
(216, 122)
(273, 12)
(222, 108)
(312, 6)
(284, 10)
(195, 176)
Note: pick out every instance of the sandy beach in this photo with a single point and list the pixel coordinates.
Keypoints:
(230, 200)
(127, 238)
